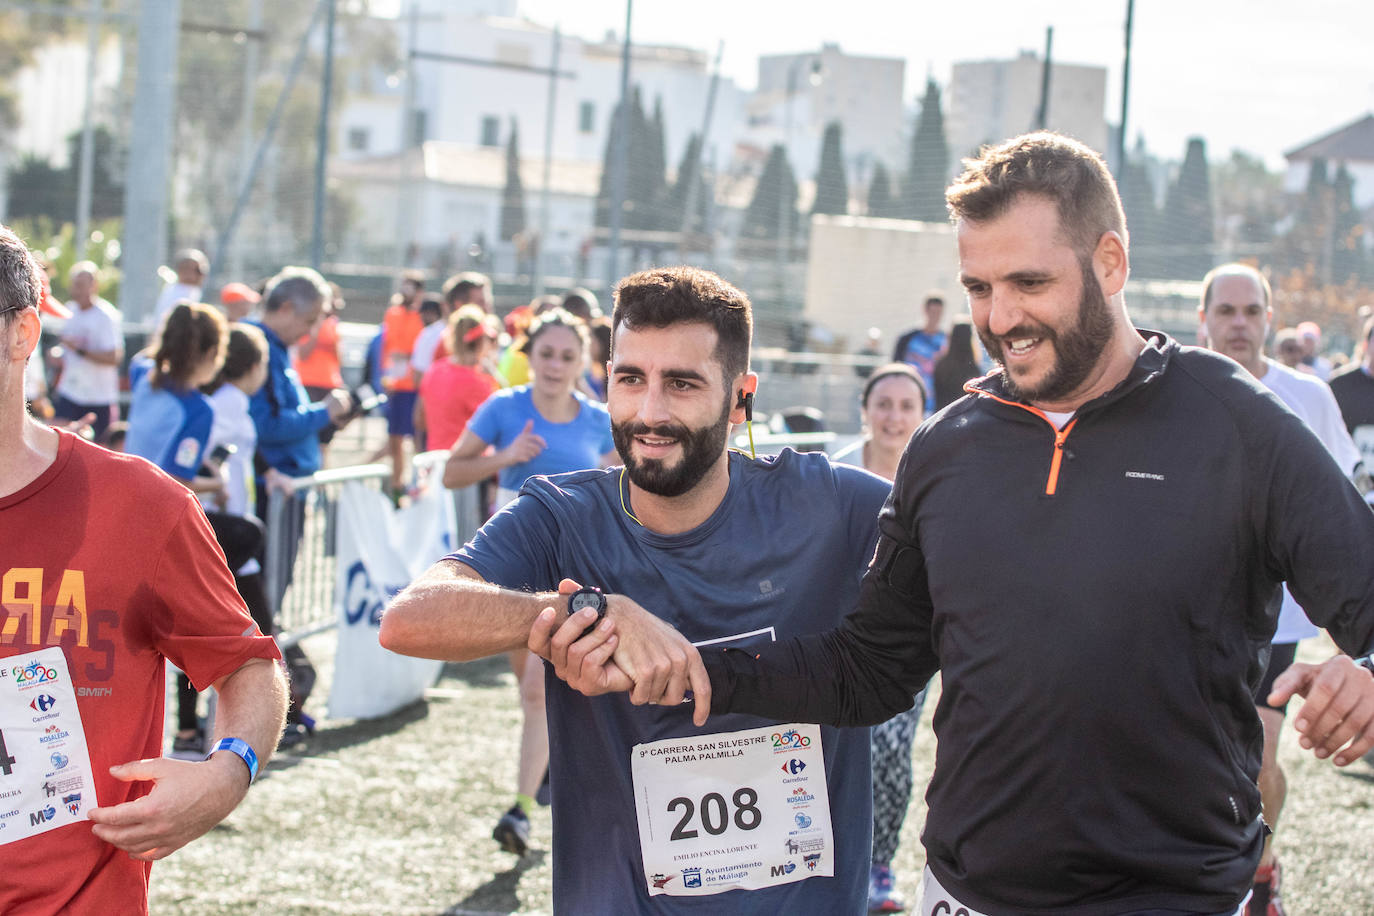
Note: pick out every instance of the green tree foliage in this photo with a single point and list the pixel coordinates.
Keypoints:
(832, 187)
(21, 34)
(513, 195)
(774, 201)
(645, 179)
(688, 171)
(39, 189)
(1305, 246)
(1250, 201)
(881, 202)
(1347, 230)
(927, 173)
(1188, 217)
(209, 107)
(656, 173)
(1143, 221)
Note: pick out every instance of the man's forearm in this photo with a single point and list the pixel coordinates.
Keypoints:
(252, 706)
(451, 613)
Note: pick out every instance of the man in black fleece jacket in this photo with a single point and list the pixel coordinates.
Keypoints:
(1088, 547)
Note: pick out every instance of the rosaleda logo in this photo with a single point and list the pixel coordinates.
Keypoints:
(800, 796)
(794, 766)
(42, 703)
(33, 673)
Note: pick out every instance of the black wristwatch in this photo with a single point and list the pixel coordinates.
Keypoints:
(588, 597)
(1367, 663)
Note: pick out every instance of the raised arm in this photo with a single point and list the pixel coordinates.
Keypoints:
(452, 613)
(469, 462)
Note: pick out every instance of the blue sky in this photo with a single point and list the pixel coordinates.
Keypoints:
(1264, 75)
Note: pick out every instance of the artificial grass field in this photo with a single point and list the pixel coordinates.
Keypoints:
(394, 816)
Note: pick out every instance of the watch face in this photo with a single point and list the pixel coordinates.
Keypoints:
(583, 599)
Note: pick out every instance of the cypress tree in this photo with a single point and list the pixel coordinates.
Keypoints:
(1188, 217)
(880, 200)
(776, 187)
(603, 194)
(1142, 221)
(832, 188)
(1347, 253)
(923, 191)
(513, 195)
(688, 173)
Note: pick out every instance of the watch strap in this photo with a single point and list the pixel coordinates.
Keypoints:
(1366, 662)
(243, 750)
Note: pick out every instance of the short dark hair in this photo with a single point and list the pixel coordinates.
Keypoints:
(301, 287)
(1050, 165)
(666, 296)
(431, 305)
(457, 289)
(891, 370)
(582, 303)
(246, 349)
(1235, 269)
(21, 283)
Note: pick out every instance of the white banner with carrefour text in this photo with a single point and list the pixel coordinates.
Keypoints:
(380, 550)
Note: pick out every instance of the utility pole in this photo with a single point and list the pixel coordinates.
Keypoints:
(86, 170)
(322, 137)
(620, 157)
(250, 75)
(1125, 96)
(1042, 114)
(542, 243)
(405, 227)
(150, 147)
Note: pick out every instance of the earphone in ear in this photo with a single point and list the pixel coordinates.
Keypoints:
(746, 400)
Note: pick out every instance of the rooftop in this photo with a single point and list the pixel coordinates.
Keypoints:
(1353, 142)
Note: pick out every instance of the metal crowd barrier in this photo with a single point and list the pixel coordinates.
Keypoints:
(302, 530)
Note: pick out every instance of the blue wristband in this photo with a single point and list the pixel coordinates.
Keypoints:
(243, 749)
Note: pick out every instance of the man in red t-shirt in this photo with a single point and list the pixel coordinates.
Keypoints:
(108, 568)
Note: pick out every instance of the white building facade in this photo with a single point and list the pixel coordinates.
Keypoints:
(799, 94)
(991, 100)
(476, 103)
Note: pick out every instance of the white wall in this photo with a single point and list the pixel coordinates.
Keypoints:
(51, 94)
(866, 273)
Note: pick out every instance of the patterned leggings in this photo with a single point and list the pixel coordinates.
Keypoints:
(891, 744)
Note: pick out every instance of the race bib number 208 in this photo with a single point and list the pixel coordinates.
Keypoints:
(746, 810)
